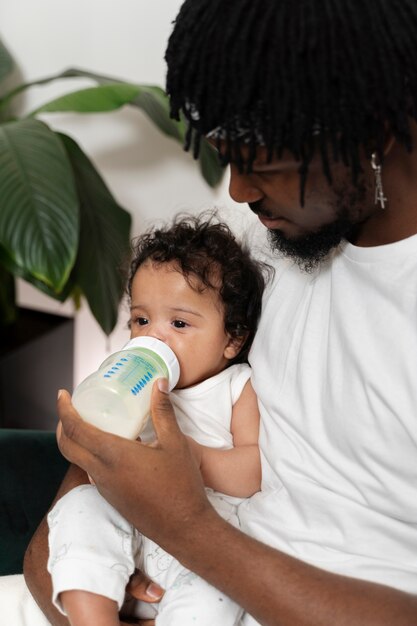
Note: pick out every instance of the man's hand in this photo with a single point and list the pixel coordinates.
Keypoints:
(158, 488)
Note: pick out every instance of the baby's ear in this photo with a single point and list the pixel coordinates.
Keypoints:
(234, 346)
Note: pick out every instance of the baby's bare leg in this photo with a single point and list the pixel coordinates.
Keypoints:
(85, 609)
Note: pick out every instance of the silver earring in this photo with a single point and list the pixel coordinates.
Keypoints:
(379, 191)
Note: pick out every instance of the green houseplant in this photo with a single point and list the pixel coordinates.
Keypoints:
(60, 227)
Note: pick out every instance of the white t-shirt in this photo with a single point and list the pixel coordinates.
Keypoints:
(334, 364)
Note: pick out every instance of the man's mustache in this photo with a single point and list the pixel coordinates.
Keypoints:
(257, 208)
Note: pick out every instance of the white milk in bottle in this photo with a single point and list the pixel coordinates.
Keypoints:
(117, 397)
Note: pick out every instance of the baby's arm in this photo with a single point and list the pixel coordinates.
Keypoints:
(235, 472)
(86, 609)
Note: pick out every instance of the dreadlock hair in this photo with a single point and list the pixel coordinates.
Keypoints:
(302, 75)
(207, 250)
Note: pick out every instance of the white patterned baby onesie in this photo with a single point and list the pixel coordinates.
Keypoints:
(92, 547)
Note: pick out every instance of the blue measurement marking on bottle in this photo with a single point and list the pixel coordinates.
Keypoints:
(141, 383)
(128, 369)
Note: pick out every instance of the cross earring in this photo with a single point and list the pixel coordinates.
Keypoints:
(379, 191)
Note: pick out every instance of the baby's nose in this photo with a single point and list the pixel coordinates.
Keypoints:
(157, 332)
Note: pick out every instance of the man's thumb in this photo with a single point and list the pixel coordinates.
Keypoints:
(163, 385)
(162, 412)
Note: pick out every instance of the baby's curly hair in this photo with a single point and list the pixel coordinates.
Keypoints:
(206, 249)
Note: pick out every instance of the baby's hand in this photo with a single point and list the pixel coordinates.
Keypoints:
(140, 587)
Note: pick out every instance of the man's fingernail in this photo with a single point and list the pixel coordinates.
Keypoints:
(59, 392)
(154, 591)
(163, 385)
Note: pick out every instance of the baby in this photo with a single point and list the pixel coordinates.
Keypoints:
(195, 288)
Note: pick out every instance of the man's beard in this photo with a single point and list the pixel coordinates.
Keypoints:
(309, 251)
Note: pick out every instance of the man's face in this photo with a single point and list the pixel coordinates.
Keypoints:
(329, 214)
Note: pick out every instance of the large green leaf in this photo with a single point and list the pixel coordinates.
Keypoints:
(112, 94)
(69, 73)
(210, 166)
(75, 72)
(38, 204)
(104, 240)
(92, 100)
(108, 97)
(154, 102)
(6, 62)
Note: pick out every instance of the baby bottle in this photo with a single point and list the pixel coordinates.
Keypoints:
(117, 397)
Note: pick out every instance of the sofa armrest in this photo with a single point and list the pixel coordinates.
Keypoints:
(31, 470)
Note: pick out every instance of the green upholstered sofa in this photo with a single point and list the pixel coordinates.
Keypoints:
(31, 470)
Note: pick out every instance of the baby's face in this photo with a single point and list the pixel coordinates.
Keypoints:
(191, 323)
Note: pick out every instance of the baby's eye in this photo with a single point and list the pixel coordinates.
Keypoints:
(179, 324)
(141, 321)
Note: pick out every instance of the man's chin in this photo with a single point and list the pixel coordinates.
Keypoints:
(308, 251)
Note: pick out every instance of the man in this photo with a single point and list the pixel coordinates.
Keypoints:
(314, 104)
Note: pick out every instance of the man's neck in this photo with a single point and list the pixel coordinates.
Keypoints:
(380, 230)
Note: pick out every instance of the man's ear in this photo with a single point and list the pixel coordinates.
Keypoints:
(389, 143)
(234, 346)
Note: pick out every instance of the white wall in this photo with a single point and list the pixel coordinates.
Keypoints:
(148, 173)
